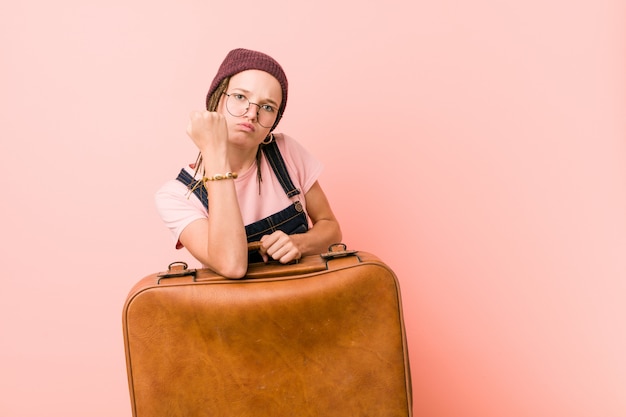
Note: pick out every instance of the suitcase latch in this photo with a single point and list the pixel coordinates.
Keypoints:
(176, 269)
(337, 250)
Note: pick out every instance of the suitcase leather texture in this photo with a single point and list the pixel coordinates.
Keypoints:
(321, 337)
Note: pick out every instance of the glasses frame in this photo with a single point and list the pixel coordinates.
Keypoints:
(259, 106)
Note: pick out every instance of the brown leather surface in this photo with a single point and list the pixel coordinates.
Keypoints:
(326, 343)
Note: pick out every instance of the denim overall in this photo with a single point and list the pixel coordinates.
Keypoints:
(290, 220)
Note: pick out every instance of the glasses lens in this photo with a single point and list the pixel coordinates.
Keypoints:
(267, 116)
(237, 104)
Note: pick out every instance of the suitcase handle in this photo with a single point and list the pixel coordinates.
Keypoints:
(252, 246)
(336, 250)
(307, 264)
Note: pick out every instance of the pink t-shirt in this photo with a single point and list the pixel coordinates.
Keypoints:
(178, 207)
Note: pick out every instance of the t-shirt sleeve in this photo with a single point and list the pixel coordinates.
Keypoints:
(300, 162)
(178, 208)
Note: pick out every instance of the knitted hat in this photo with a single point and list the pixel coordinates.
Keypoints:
(239, 60)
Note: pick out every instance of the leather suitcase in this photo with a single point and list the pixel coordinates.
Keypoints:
(321, 337)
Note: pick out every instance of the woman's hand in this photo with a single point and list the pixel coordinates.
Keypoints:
(324, 232)
(208, 130)
(280, 247)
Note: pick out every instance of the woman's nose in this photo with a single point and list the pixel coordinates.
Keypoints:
(252, 111)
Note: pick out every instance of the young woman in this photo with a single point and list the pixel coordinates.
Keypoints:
(248, 183)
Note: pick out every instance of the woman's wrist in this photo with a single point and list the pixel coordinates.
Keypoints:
(218, 177)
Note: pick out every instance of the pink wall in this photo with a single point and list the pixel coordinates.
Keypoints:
(477, 147)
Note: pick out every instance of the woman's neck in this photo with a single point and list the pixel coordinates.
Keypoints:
(241, 162)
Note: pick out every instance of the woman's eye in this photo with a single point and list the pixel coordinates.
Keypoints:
(268, 108)
(239, 96)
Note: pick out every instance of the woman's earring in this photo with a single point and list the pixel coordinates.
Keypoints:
(269, 139)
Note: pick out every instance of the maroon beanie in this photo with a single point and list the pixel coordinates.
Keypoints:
(239, 60)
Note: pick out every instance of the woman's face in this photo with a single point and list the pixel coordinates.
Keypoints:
(248, 123)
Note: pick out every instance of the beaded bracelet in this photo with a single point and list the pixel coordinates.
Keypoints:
(217, 177)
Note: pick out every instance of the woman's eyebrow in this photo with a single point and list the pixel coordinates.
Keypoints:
(247, 93)
(272, 102)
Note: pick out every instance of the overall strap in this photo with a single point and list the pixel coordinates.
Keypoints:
(195, 185)
(274, 158)
(276, 161)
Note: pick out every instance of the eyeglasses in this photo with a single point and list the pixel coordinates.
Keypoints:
(237, 105)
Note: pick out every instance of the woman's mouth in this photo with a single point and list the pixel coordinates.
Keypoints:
(248, 127)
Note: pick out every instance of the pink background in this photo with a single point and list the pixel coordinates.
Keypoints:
(476, 147)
